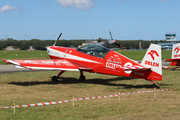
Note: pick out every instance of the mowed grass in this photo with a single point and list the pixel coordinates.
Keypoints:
(139, 54)
(18, 55)
(24, 88)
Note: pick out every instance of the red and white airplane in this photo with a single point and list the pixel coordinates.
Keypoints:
(97, 59)
(175, 57)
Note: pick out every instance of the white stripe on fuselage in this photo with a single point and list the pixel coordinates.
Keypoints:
(57, 53)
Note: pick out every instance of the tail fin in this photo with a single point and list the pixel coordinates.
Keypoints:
(175, 57)
(176, 51)
(153, 59)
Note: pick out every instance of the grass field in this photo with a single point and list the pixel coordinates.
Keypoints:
(24, 88)
(14, 55)
(35, 87)
(139, 54)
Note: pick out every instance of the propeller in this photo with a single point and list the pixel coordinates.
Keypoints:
(109, 42)
(115, 42)
(110, 35)
(57, 39)
(43, 48)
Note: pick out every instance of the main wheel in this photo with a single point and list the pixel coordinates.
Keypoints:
(82, 78)
(54, 79)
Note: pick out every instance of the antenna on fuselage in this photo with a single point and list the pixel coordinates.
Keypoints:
(57, 39)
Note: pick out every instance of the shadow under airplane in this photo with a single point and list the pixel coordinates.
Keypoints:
(106, 82)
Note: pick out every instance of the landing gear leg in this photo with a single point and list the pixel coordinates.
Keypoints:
(55, 78)
(82, 77)
(157, 85)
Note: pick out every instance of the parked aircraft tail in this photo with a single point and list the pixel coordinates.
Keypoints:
(150, 68)
(175, 57)
(153, 60)
(176, 51)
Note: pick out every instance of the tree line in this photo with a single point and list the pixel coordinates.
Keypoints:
(25, 44)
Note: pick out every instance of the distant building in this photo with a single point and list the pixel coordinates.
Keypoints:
(9, 48)
(171, 38)
(167, 46)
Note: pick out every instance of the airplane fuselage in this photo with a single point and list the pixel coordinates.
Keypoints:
(110, 64)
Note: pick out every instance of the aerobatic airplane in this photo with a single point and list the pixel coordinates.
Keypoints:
(97, 59)
(175, 57)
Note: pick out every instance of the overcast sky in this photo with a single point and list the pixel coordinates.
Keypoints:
(89, 19)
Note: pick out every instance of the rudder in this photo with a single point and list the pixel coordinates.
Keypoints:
(153, 59)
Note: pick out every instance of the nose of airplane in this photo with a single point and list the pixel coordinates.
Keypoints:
(48, 51)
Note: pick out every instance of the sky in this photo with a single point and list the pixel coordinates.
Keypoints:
(89, 19)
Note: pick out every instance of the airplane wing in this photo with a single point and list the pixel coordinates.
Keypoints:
(166, 67)
(47, 65)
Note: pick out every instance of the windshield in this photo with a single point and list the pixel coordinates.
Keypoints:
(94, 50)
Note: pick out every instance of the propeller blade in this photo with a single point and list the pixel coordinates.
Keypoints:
(110, 35)
(57, 39)
(59, 36)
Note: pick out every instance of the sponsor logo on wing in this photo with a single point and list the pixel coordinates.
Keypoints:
(55, 62)
(31, 62)
(153, 55)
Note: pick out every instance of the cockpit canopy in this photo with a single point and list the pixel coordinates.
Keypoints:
(94, 50)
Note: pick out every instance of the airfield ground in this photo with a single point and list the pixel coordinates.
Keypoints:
(24, 88)
(35, 87)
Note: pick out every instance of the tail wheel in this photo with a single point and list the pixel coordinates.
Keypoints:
(82, 77)
(54, 79)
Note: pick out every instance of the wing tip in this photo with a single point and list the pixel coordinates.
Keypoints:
(6, 61)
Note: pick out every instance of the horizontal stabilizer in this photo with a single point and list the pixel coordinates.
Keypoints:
(135, 68)
(166, 67)
(173, 59)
